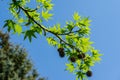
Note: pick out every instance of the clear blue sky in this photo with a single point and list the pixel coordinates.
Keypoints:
(105, 32)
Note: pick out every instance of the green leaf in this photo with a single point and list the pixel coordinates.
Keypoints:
(78, 62)
(70, 67)
(46, 15)
(85, 22)
(76, 16)
(85, 44)
(37, 29)
(29, 34)
(42, 1)
(51, 41)
(56, 29)
(10, 25)
(18, 29)
(79, 75)
(96, 55)
(21, 20)
(70, 25)
(35, 15)
(48, 5)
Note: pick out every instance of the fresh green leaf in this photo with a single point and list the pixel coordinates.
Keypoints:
(46, 15)
(10, 25)
(18, 29)
(29, 34)
(76, 16)
(21, 20)
(70, 67)
(51, 41)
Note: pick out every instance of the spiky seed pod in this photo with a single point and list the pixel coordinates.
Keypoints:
(61, 52)
(81, 56)
(89, 73)
(60, 49)
(72, 59)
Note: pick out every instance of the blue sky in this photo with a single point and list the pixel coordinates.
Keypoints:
(105, 32)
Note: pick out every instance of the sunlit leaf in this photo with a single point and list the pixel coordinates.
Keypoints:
(10, 25)
(18, 29)
(51, 41)
(46, 15)
(21, 20)
(70, 67)
(76, 16)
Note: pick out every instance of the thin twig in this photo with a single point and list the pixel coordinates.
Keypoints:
(45, 29)
(69, 32)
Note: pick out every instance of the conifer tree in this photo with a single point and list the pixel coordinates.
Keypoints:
(14, 64)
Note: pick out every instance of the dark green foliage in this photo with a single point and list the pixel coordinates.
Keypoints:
(14, 64)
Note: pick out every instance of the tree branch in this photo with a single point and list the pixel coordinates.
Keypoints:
(55, 34)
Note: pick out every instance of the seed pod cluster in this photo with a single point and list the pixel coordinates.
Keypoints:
(81, 56)
(72, 59)
(89, 73)
(61, 52)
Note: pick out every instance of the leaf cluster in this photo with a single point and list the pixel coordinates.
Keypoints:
(73, 37)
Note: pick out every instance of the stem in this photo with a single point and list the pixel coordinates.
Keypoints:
(69, 32)
(45, 29)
